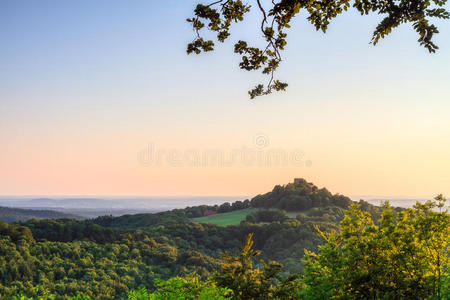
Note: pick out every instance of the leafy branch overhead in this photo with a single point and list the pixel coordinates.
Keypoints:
(276, 16)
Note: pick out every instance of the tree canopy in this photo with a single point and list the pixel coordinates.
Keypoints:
(276, 16)
(405, 256)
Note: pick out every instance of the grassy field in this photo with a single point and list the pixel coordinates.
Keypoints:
(294, 213)
(235, 217)
(225, 219)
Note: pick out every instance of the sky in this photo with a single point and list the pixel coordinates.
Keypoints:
(100, 98)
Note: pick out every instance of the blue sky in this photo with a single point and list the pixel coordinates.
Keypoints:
(84, 85)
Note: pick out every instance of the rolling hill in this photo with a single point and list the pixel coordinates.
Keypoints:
(9, 215)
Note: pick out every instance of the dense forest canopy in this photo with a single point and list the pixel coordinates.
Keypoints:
(276, 17)
(404, 257)
(147, 255)
(132, 250)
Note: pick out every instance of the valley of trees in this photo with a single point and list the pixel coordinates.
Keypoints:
(332, 249)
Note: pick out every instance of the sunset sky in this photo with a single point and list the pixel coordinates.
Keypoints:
(88, 89)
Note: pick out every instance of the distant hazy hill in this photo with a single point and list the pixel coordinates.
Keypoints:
(9, 215)
(67, 203)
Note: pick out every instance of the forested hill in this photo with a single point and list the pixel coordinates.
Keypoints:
(297, 198)
(9, 214)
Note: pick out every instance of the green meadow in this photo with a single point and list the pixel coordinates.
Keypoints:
(235, 217)
(225, 219)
